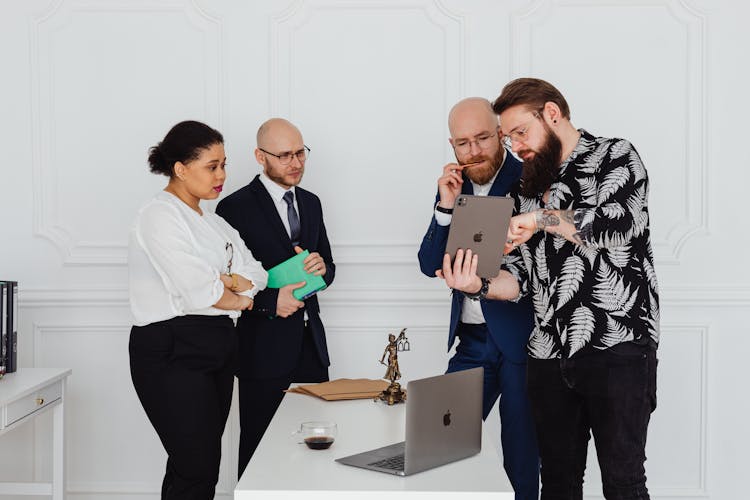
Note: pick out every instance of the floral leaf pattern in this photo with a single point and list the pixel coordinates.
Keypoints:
(616, 333)
(613, 210)
(614, 181)
(570, 280)
(582, 324)
(541, 269)
(619, 149)
(589, 252)
(603, 292)
(541, 344)
(557, 193)
(619, 256)
(588, 186)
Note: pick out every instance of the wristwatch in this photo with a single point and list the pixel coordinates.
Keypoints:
(443, 210)
(482, 293)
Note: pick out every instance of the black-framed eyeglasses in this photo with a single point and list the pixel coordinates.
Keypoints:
(286, 157)
(229, 248)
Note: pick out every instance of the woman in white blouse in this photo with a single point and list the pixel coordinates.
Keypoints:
(190, 275)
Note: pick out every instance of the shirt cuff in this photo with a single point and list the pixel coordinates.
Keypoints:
(443, 219)
(250, 293)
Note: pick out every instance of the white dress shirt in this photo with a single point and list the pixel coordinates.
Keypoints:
(277, 195)
(471, 312)
(175, 258)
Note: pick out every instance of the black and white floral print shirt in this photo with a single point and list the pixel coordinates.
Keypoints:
(604, 292)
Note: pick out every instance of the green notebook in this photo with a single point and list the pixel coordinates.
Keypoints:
(293, 271)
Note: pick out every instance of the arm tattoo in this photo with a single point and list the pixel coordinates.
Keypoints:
(546, 218)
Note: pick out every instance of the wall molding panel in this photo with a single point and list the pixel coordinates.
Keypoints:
(692, 199)
(285, 25)
(80, 245)
(694, 486)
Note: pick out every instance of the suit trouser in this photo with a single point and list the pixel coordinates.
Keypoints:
(506, 380)
(183, 372)
(260, 398)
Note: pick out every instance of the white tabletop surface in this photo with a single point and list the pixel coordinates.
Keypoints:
(27, 380)
(284, 468)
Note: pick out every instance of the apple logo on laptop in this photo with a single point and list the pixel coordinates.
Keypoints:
(447, 419)
(478, 236)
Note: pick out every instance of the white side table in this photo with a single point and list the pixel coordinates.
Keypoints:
(24, 395)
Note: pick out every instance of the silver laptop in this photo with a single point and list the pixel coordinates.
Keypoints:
(481, 224)
(443, 424)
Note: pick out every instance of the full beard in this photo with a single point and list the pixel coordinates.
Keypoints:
(541, 171)
(482, 175)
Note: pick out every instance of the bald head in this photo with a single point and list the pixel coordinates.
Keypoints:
(275, 128)
(471, 111)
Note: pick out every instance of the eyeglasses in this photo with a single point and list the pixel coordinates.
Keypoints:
(229, 248)
(484, 141)
(519, 134)
(286, 157)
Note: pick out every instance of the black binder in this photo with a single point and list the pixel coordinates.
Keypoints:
(3, 328)
(11, 325)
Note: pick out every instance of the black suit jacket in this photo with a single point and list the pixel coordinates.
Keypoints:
(269, 344)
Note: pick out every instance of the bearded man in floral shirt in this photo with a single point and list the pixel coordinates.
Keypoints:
(580, 246)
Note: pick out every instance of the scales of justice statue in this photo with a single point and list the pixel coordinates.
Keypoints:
(393, 393)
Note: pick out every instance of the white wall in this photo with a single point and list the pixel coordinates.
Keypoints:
(87, 86)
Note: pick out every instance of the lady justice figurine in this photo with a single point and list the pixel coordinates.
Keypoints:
(393, 393)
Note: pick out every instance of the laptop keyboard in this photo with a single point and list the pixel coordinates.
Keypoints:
(392, 463)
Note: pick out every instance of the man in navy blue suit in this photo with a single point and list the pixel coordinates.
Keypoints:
(492, 334)
(281, 339)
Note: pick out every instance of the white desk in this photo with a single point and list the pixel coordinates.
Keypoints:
(282, 468)
(25, 394)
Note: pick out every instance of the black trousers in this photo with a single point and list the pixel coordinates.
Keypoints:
(260, 398)
(183, 372)
(609, 394)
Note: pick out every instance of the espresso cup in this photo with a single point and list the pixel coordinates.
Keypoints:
(317, 435)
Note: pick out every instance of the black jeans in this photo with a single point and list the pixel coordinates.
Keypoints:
(183, 372)
(608, 393)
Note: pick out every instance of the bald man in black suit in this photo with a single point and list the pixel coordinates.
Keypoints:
(281, 339)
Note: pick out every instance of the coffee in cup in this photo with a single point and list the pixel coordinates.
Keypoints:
(318, 435)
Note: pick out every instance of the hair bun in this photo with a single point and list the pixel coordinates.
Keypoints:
(158, 162)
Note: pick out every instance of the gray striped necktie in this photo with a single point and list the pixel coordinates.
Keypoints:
(291, 214)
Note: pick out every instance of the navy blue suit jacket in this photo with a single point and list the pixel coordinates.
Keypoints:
(509, 323)
(269, 344)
